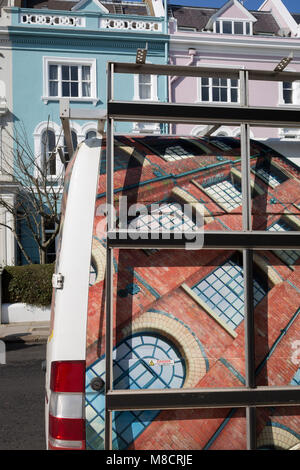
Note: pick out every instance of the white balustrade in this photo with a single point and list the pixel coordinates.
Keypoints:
(131, 25)
(77, 21)
(52, 20)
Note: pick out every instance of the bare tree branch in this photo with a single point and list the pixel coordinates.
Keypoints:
(36, 203)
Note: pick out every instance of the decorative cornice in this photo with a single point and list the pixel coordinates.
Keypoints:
(250, 45)
(87, 40)
(39, 33)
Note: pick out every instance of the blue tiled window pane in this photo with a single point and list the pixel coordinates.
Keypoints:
(270, 176)
(167, 216)
(132, 370)
(223, 291)
(225, 193)
(288, 256)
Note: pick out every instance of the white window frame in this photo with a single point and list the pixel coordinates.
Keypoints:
(145, 127)
(89, 126)
(289, 133)
(47, 61)
(232, 21)
(59, 141)
(295, 94)
(45, 158)
(37, 136)
(210, 88)
(136, 94)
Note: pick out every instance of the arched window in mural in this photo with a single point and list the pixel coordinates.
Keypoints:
(143, 361)
(48, 161)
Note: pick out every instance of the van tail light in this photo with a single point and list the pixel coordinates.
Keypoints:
(66, 408)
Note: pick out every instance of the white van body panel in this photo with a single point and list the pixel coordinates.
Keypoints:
(67, 340)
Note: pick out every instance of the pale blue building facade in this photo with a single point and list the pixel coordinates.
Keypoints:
(62, 53)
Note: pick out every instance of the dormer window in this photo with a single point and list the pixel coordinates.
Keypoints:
(232, 27)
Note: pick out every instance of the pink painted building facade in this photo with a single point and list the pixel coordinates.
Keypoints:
(233, 37)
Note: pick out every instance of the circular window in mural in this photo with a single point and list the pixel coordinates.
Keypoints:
(141, 361)
(148, 361)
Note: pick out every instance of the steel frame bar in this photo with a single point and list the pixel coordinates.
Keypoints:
(250, 396)
(203, 71)
(258, 116)
(94, 114)
(64, 105)
(258, 240)
(247, 264)
(172, 399)
(109, 268)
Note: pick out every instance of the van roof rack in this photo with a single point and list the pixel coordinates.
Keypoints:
(250, 396)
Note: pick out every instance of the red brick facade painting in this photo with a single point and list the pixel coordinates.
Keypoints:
(178, 314)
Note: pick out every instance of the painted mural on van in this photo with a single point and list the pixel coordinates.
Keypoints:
(178, 314)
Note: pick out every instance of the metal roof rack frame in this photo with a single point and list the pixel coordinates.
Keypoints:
(251, 396)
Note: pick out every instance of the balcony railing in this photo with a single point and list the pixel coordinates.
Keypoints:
(131, 24)
(121, 23)
(52, 20)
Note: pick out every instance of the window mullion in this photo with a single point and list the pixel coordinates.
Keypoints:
(228, 90)
(80, 84)
(59, 76)
(48, 80)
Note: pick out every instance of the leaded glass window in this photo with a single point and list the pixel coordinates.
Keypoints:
(288, 256)
(227, 194)
(270, 176)
(167, 216)
(223, 291)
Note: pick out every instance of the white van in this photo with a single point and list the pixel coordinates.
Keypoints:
(66, 348)
(178, 315)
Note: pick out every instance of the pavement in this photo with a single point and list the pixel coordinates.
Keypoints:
(29, 332)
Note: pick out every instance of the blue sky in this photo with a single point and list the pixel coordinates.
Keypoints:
(292, 5)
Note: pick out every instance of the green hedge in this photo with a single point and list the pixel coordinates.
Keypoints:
(30, 284)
